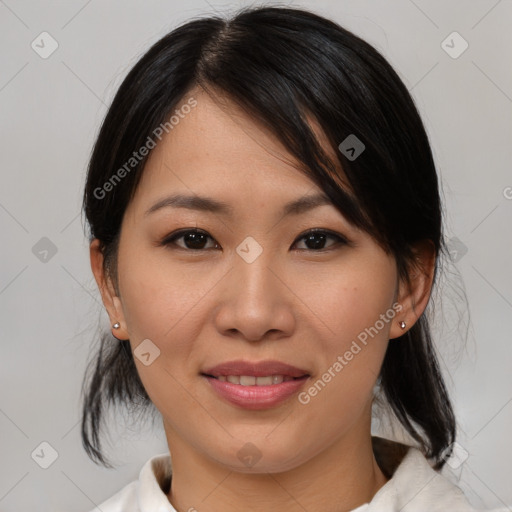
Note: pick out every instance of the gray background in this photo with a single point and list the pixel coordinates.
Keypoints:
(50, 307)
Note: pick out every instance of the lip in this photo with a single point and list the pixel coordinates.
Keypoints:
(256, 397)
(256, 368)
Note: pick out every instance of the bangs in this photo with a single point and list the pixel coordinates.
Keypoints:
(287, 95)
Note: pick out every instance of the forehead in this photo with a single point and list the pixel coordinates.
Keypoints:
(216, 149)
(217, 134)
(218, 144)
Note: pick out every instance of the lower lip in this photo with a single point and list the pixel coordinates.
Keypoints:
(256, 397)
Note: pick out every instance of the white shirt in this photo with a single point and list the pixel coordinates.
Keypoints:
(414, 487)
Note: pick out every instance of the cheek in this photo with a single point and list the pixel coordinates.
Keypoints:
(158, 303)
(158, 298)
(354, 300)
(164, 303)
(356, 312)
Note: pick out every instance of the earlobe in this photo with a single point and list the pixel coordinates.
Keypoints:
(414, 294)
(119, 327)
(110, 300)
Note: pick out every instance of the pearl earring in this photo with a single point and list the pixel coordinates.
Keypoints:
(116, 325)
(402, 324)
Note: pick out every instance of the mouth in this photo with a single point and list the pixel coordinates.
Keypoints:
(253, 380)
(255, 385)
(257, 373)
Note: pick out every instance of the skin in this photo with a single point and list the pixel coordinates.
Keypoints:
(293, 303)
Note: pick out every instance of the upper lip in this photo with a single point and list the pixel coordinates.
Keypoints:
(256, 369)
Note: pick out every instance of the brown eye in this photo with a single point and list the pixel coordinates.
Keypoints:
(315, 239)
(193, 239)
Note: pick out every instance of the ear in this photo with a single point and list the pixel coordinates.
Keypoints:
(414, 295)
(108, 294)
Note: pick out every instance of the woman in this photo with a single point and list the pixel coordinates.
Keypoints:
(266, 231)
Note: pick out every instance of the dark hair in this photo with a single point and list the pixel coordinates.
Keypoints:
(283, 65)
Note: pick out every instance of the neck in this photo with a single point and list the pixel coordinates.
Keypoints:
(339, 479)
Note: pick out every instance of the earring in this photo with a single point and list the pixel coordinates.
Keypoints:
(402, 324)
(116, 325)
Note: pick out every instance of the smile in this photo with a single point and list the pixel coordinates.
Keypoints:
(251, 380)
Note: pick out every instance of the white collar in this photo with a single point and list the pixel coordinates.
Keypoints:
(150, 496)
(414, 487)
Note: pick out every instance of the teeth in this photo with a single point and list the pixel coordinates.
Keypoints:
(251, 380)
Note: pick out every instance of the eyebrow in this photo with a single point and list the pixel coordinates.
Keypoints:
(208, 204)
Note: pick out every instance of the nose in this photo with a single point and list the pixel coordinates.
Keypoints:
(254, 301)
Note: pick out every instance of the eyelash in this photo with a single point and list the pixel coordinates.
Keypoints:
(170, 240)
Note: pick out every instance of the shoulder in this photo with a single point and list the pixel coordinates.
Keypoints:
(148, 493)
(415, 487)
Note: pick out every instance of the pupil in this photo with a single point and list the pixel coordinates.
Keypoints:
(316, 235)
(195, 239)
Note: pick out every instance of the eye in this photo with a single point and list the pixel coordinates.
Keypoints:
(195, 239)
(316, 239)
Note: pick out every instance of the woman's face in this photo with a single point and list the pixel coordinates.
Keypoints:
(252, 287)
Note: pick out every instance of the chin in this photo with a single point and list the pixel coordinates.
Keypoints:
(261, 457)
